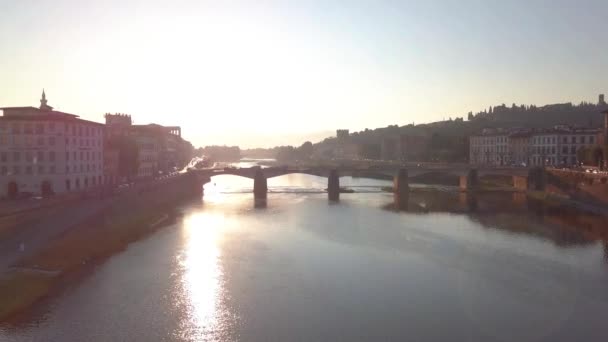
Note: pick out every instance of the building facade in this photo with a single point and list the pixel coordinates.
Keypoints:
(490, 148)
(557, 146)
(44, 151)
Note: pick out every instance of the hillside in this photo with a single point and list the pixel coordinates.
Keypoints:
(449, 139)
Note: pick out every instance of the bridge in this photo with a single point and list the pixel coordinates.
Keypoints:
(523, 178)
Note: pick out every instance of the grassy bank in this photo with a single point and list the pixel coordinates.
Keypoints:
(99, 237)
(21, 289)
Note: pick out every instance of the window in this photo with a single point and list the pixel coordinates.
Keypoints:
(27, 129)
(39, 128)
(591, 139)
(16, 156)
(16, 128)
(52, 169)
(552, 149)
(67, 169)
(565, 149)
(40, 141)
(565, 140)
(573, 140)
(28, 156)
(16, 170)
(67, 156)
(4, 170)
(582, 139)
(52, 156)
(81, 155)
(51, 126)
(52, 141)
(74, 155)
(40, 169)
(3, 156)
(573, 149)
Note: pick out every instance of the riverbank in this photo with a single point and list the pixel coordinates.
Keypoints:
(35, 277)
(127, 218)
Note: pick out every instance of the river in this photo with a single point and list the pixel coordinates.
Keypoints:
(453, 268)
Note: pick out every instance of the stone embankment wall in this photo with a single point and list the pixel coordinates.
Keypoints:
(579, 186)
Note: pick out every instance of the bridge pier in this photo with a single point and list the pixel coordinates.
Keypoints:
(401, 189)
(520, 183)
(470, 181)
(537, 179)
(333, 186)
(260, 185)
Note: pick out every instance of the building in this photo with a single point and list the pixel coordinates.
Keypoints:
(491, 147)
(519, 148)
(44, 151)
(345, 148)
(557, 146)
(342, 134)
(161, 149)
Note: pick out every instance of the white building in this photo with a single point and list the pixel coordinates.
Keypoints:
(44, 151)
(489, 148)
(559, 146)
(556, 146)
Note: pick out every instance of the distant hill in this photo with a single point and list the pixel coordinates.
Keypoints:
(449, 139)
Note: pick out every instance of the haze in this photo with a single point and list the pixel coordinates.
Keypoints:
(281, 72)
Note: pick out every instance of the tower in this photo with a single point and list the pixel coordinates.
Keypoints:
(605, 139)
(43, 104)
(601, 100)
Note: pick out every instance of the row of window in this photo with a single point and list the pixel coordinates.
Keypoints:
(41, 141)
(537, 140)
(39, 156)
(490, 140)
(51, 169)
(582, 139)
(93, 181)
(41, 128)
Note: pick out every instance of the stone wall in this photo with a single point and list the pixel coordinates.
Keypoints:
(581, 186)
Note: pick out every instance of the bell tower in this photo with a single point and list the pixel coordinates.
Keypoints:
(43, 104)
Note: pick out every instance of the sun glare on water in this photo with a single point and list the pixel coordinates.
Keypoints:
(203, 276)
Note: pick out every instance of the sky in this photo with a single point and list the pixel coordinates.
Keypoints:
(265, 73)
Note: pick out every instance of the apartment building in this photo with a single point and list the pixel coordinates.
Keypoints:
(45, 151)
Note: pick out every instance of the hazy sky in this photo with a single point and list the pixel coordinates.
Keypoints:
(257, 72)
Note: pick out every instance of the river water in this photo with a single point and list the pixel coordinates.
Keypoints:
(452, 268)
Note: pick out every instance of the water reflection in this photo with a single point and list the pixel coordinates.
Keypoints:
(202, 281)
(564, 226)
(302, 270)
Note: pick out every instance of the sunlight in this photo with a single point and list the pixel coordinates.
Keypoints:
(203, 274)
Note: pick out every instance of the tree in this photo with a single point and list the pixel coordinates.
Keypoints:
(470, 116)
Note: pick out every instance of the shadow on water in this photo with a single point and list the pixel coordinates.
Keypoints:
(565, 226)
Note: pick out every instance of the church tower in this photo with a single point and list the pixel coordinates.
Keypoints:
(43, 101)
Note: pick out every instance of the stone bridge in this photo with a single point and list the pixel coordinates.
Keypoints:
(398, 173)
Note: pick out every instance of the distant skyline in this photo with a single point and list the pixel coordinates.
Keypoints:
(281, 72)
